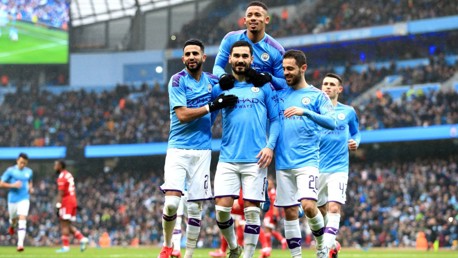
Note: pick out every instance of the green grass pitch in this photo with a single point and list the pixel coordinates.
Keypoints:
(36, 45)
(152, 252)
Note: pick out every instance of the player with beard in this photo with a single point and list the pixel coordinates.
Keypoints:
(187, 162)
(267, 52)
(306, 110)
(250, 132)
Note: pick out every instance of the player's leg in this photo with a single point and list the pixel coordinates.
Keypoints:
(22, 211)
(221, 252)
(307, 180)
(254, 180)
(287, 199)
(336, 190)
(65, 232)
(176, 165)
(177, 232)
(199, 188)
(13, 218)
(227, 187)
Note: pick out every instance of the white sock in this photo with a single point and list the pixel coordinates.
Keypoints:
(21, 230)
(226, 225)
(169, 218)
(331, 229)
(193, 227)
(176, 237)
(317, 226)
(293, 237)
(251, 232)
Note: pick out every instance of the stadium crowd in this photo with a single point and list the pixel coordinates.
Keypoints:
(138, 115)
(323, 17)
(388, 204)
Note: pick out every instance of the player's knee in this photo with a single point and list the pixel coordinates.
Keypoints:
(252, 214)
(171, 205)
(334, 207)
(194, 210)
(309, 208)
(223, 213)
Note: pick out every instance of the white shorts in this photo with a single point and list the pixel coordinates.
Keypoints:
(182, 207)
(294, 185)
(332, 187)
(190, 167)
(18, 208)
(229, 177)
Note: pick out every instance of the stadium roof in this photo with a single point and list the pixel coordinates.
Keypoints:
(92, 11)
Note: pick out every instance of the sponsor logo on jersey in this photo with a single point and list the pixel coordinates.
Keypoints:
(306, 101)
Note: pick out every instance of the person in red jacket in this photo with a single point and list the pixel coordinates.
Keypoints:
(66, 206)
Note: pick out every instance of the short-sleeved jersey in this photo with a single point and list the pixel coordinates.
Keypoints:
(185, 91)
(267, 53)
(66, 184)
(298, 144)
(14, 174)
(334, 155)
(251, 125)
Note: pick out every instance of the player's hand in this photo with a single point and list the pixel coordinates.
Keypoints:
(258, 79)
(226, 81)
(17, 184)
(352, 145)
(293, 111)
(31, 190)
(222, 101)
(265, 157)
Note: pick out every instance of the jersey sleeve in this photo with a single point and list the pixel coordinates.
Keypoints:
(6, 176)
(353, 126)
(177, 93)
(273, 111)
(223, 56)
(324, 114)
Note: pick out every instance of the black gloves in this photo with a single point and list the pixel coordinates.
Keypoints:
(222, 101)
(226, 81)
(258, 79)
(58, 206)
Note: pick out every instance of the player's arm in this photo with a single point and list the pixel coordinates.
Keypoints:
(4, 181)
(222, 57)
(355, 135)
(278, 76)
(325, 117)
(265, 155)
(186, 115)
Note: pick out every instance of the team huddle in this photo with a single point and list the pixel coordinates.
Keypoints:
(268, 111)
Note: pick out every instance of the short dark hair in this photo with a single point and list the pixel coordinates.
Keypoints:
(258, 3)
(333, 75)
(194, 42)
(62, 163)
(242, 43)
(298, 55)
(23, 155)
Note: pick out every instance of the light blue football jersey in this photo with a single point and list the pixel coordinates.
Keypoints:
(334, 156)
(298, 144)
(251, 125)
(267, 53)
(185, 91)
(14, 174)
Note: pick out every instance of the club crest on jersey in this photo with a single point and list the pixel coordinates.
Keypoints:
(341, 116)
(209, 87)
(255, 89)
(265, 57)
(305, 101)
